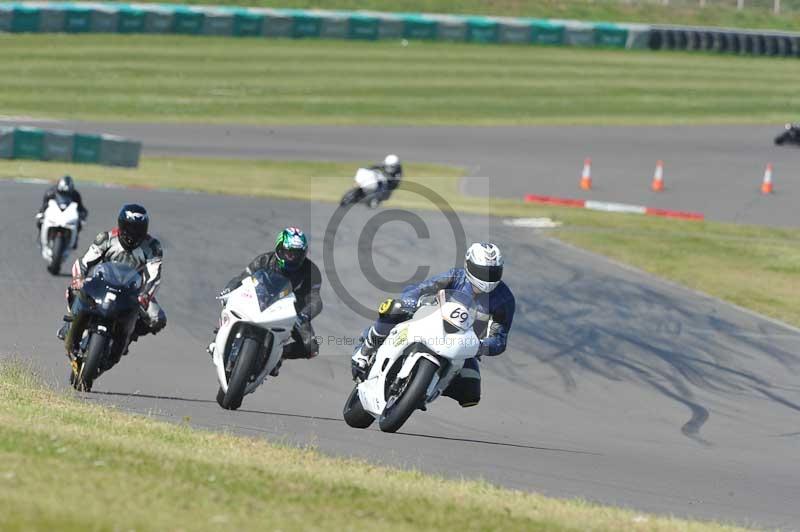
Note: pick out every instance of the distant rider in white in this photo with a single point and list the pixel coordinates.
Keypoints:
(481, 279)
(129, 243)
(393, 170)
(64, 187)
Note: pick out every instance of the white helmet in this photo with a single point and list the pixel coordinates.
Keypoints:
(484, 266)
(391, 162)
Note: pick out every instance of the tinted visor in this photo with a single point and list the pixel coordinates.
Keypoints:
(291, 256)
(131, 235)
(489, 274)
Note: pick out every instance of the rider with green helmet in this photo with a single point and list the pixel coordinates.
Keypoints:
(289, 258)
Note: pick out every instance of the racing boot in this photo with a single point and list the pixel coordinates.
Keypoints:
(365, 352)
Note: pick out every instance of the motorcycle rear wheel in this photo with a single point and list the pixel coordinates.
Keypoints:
(242, 371)
(57, 252)
(354, 413)
(411, 398)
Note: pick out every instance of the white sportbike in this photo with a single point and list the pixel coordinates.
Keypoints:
(59, 232)
(256, 322)
(416, 363)
(368, 186)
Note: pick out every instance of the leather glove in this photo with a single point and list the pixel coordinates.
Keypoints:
(144, 301)
(483, 350)
(358, 367)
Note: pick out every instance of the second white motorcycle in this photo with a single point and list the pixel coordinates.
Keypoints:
(255, 325)
(58, 234)
(416, 363)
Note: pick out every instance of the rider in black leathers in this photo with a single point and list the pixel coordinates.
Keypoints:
(289, 258)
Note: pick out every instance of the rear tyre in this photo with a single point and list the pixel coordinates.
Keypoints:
(242, 371)
(57, 252)
(91, 363)
(354, 413)
(411, 398)
(780, 140)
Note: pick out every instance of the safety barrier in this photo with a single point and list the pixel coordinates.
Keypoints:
(749, 42)
(67, 146)
(84, 17)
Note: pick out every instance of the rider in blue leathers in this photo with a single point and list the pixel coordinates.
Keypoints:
(480, 278)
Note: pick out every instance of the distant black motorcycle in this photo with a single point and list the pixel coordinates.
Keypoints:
(790, 136)
(104, 319)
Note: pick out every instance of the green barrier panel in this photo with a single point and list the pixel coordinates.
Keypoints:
(514, 31)
(104, 20)
(51, 18)
(187, 21)
(118, 151)
(28, 143)
(390, 26)
(87, 148)
(6, 17)
(305, 24)
(6, 142)
(419, 27)
(247, 24)
(218, 21)
(578, 33)
(25, 19)
(157, 19)
(610, 35)
(363, 27)
(334, 26)
(547, 33)
(276, 23)
(58, 145)
(130, 20)
(450, 28)
(77, 19)
(481, 29)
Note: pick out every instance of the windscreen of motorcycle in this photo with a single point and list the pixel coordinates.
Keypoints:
(367, 179)
(63, 201)
(269, 287)
(457, 308)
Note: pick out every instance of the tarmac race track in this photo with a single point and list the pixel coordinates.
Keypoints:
(715, 170)
(616, 387)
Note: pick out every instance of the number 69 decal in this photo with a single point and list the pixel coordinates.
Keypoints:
(459, 314)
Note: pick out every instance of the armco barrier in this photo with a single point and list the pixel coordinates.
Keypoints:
(85, 17)
(67, 146)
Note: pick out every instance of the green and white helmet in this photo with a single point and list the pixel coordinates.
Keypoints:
(291, 248)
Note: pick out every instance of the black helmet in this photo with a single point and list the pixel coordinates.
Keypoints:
(132, 224)
(65, 185)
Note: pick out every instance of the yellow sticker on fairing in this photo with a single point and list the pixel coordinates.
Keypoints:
(387, 303)
(402, 336)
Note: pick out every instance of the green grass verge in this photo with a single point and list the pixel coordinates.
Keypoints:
(755, 267)
(69, 465)
(206, 79)
(605, 10)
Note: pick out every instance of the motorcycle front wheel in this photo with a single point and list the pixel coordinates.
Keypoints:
(412, 396)
(351, 196)
(57, 252)
(354, 413)
(242, 371)
(91, 363)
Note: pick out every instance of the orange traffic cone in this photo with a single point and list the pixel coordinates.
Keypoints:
(766, 185)
(658, 177)
(586, 175)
